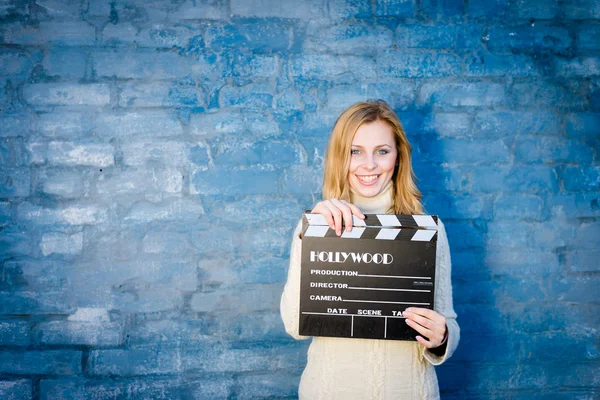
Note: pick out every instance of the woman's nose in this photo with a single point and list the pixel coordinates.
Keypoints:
(370, 162)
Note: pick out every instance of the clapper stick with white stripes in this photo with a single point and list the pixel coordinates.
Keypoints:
(376, 226)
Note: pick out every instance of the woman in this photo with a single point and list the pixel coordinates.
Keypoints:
(368, 170)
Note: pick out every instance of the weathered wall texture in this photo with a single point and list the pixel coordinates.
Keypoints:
(155, 156)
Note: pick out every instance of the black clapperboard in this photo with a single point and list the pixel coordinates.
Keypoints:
(358, 284)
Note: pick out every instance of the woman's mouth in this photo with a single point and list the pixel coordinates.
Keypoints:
(368, 180)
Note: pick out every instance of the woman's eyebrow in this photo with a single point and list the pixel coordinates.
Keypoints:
(378, 146)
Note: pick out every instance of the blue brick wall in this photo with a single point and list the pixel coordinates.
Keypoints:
(155, 156)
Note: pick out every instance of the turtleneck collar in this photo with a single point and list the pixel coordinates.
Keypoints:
(379, 204)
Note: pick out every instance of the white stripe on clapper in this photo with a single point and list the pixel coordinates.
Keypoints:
(425, 221)
(355, 233)
(423, 235)
(388, 220)
(316, 231)
(388, 234)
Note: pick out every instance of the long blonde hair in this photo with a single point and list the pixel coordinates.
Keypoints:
(406, 196)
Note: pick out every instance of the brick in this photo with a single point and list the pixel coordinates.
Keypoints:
(587, 36)
(138, 124)
(303, 180)
(463, 235)
(198, 10)
(395, 8)
(64, 125)
(516, 206)
(276, 241)
(518, 261)
(551, 150)
(579, 67)
(251, 298)
(575, 290)
(78, 333)
(253, 96)
(17, 63)
(465, 151)
(255, 359)
(490, 9)
(575, 205)
(60, 8)
(64, 62)
(257, 210)
(14, 333)
(455, 207)
(158, 36)
(156, 152)
(352, 39)
(581, 9)
(548, 95)
(277, 154)
(6, 213)
(21, 389)
(234, 122)
(306, 10)
(15, 124)
(164, 242)
(140, 297)
(535, 9)
(154, 183)
(533, 179)
(15, 242)
(582, 260)
(439, 179)
(399, 94)
(584, 125)
(14, 182)
(150, 387)
(60, 243)
(255, 66)
(171, 209)
(417, 64)
(439, 37)
(134, 362)
(539, 35)
(69, 215)
(67, 33)
(258, 35)
(56, 362)
(501, 64)
(141, 63)
(215, 241)
(158, 94)
(281, 385)
(581, 178)
(325, 67)
(12, 152)
(349, 9)
(63, 183)
(255, 180)
(41, 94)
(502, 123)
(66, 153)
(479, 94)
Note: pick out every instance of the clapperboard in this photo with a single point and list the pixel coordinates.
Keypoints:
(358, 284)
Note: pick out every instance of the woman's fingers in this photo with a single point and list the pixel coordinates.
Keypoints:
(337, 213)
(346, 213)
(428, 323)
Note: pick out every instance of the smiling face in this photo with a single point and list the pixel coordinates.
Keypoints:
(373, 158)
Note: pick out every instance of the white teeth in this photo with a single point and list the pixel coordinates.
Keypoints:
(368, 179)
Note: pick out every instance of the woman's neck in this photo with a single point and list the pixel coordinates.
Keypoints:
(379, 204)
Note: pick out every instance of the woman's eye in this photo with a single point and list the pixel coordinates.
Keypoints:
(354, 151)
(382, 152)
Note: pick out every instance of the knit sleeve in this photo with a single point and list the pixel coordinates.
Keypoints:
(443, 298)
(290, 299)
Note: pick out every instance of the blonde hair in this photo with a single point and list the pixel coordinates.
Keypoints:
(405, 194)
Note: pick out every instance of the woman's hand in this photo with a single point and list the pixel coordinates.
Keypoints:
(428, 323)
(335, 210)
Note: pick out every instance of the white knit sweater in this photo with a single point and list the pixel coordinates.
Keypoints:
(341, 368)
